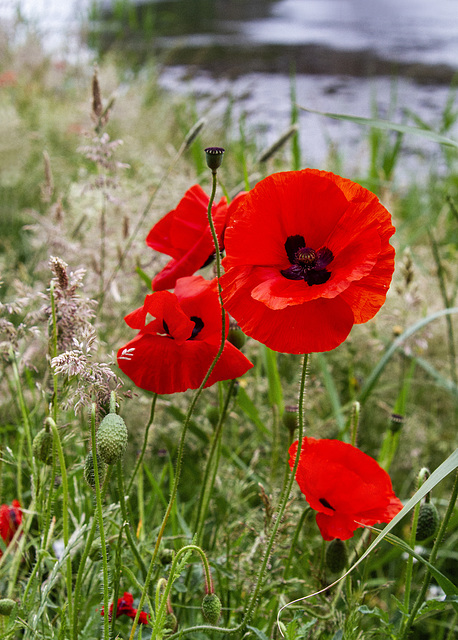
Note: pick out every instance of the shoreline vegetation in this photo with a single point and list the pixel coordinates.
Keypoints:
(179, 514)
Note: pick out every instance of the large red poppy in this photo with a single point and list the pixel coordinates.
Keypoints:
(10, 520)
(184, 234)
(307, 256)
(174, 351)
(347, 487)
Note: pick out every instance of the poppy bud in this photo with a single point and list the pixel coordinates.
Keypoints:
(6, 606)
(428, 521)
(42, 446)
(211, 608)
(214, 157)
(171, 623)
(336, 556)
(111, 438)
(213, 415)
(236, 337)
(89, 474)
(166, 556)
(290, 418)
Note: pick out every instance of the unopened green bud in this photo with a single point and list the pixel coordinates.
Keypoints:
(289, 418)
(6, 606)
(213, 415)
(211, 608)
(42, 446)
(336, 556)
(171, 623)
(236, 337)
(166, 556)
(111, 438)
(89, 472)
(428, 521)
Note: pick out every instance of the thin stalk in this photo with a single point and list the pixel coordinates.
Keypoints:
(122, 502)
(409, 564)
(187, 419)
(63, 470)
(432, 559)
(211, 467)
(294, 542)
(208, 580)
(24, 413)
(82, 563)
(106, 621)
(145, 444)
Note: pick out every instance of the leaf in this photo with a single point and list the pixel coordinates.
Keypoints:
(388, 125)
(260, 634)
(329, 383)
(435, 605)
(144, 276)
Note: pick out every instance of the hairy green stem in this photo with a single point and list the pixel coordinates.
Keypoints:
(187, 420)
(106, 621)
(66, 533)
(145, 444)
(211, 467)
(82, 563)
(122, 502)
(161, 610)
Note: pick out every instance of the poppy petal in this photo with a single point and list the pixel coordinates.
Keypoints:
(318, 325)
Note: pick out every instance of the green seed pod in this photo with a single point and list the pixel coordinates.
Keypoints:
(42, 446)
(211, 608)
(214, 157)
(428, 521)
(6, 606)
(89, 474)
(336, 556)
(112, 438)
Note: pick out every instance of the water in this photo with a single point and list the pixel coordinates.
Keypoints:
(344, 52)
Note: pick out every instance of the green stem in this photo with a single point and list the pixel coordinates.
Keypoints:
(186, 420)
(145, 444)
(106, 621)
(161, 610)
(122, 502)
(82, 563)
(211, 467)
(292, 550)
(63, 470)
(432, 559)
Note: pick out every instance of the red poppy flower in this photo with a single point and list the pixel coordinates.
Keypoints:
(125, 608)
(184, 234)
(10, 520)
(174, 351)
(307, 256)
(347, 487)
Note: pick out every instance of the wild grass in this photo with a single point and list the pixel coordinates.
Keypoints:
(76, 205)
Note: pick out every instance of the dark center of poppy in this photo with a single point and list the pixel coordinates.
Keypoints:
(326, 504)
(306, 263)
(198, 326)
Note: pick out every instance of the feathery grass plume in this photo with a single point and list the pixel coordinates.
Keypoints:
(73, 311)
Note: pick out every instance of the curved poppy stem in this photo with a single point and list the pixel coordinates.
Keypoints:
(186, 422)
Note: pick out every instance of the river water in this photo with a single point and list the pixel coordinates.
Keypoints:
(347, 54)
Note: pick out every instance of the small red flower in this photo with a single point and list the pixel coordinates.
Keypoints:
(125, 608)
(347, 487)
(307, 256)
(10, 520)
(184, 234)
(174, 351)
